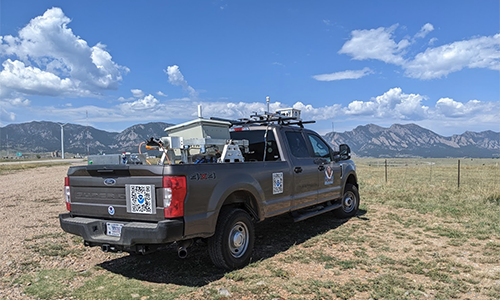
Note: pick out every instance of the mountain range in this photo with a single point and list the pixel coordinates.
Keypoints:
(46, 137)
(411, 140)
(408, 140)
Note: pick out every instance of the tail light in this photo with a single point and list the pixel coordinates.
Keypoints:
(67, 193)
(174, 194)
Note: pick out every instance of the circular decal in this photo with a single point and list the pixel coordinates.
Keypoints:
(111, 210)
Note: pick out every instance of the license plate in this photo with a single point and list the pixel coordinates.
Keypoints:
(114, 229)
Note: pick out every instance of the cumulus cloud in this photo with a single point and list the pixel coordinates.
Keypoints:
(376, 44)
(151, 108)
(482, 52)
(392, 104)
(179, 110)
(47, 58)
(18, 77)
(147, 103)
(453, 109)
(434, 62)
(310, 112)
(397, 106)
(424, 30)
(237, 110)
(137, 93)
(361, 108)
(19, 102)
(348, 74)
(175, 77)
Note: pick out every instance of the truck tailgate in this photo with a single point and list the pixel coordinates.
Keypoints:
(117, 192)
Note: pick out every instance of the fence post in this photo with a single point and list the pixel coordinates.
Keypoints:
(459, 173)
(431, 173)
(386, 171)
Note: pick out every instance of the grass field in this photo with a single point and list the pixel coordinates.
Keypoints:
(417, 236)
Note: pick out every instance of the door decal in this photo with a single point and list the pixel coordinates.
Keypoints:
(277, 183)
(328, 175)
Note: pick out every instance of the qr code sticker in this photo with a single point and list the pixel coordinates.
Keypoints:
(141, 199)
(277, 183)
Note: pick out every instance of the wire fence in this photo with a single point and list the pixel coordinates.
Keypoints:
(478, 173)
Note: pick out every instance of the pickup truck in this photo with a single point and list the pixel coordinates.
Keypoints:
(138, 208)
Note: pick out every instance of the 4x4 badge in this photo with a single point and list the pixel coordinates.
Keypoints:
(109, 181)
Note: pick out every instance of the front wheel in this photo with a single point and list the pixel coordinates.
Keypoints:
(350, 202)
(231, 246)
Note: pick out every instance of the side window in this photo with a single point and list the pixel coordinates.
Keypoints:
(297, 144)
(320, 148)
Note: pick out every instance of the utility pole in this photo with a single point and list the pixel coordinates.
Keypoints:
(62, 139)
(88, 147)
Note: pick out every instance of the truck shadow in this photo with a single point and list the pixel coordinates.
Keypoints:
(272, 237)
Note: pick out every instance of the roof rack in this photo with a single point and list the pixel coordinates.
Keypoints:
(266, 119)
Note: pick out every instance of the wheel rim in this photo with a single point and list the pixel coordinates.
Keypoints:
(238, 239)
(349, 202)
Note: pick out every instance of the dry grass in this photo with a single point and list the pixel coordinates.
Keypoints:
(10, 168)
(416, 237)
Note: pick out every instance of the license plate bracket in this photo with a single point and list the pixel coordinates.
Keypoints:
(114, 229)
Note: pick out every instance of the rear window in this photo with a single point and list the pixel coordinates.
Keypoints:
(257, 144)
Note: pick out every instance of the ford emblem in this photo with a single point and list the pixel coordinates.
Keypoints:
(109, 181)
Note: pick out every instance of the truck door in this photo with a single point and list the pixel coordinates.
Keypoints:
(305, 171)
(329, 171)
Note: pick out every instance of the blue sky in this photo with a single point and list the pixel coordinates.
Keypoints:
(350, 63)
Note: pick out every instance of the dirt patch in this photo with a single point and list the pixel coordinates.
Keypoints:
(31, 238)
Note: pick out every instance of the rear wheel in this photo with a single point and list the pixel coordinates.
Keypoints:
(231, 246)
(350, 202)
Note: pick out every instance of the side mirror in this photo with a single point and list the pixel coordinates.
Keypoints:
(344, 152)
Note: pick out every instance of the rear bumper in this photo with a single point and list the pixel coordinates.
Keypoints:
(133, 234)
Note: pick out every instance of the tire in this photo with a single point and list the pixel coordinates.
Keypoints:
(350, 202)
(231, 246)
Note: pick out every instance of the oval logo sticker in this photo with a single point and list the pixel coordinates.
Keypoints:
(111, 210)
(109, 181)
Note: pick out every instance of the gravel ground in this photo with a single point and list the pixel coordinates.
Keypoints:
(29, 209)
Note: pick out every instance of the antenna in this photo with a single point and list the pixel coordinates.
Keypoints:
(200, 113)
(267, 100)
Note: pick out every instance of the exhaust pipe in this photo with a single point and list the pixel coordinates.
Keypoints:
(105, 248)
(182, 250)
